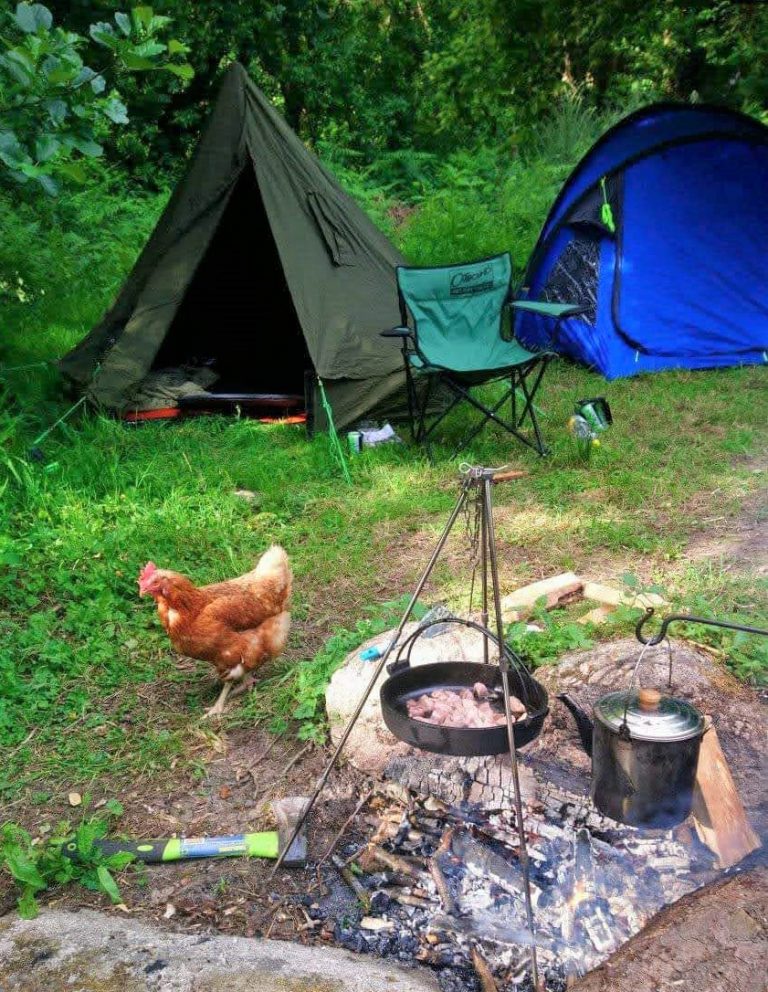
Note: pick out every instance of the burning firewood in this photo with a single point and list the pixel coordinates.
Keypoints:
(363, 896)
(441, 885)
(484, 973)
(394, 862)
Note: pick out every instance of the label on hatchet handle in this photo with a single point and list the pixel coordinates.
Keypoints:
(212, 847)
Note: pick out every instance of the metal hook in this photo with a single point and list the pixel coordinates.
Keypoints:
(688, 618)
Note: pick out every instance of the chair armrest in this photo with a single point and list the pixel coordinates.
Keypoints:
(397, 332)
(557, 311)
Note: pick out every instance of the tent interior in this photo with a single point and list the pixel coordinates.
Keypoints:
(237, 315)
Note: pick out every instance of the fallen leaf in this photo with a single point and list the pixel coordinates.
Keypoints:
(75, 799)
(225, 792)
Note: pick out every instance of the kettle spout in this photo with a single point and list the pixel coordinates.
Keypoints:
(583, 723)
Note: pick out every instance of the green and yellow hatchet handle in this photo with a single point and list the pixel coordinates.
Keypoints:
(260, 845)
(269, 844)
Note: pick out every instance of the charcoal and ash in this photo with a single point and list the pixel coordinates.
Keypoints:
(442, 885)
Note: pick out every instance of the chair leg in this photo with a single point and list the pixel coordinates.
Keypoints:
(487, 415)
(530, 393)
(423, 434)
(492, 415)
(529, 410)
(409, 391)
(424, 411)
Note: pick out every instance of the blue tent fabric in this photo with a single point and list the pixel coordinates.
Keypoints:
(683, 281)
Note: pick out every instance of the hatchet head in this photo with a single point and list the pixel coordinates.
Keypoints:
(287, 813)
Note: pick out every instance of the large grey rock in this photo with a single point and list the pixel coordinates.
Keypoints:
(97, 952)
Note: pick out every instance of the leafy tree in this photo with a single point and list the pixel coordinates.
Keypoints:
(383, 83)
(56, 109)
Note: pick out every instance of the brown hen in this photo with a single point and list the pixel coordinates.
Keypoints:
(236, 625)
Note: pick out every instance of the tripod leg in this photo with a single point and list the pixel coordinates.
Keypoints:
(374, 678)
(484, 566)
(524, 862)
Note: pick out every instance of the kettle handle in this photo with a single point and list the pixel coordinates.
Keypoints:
(624, 730)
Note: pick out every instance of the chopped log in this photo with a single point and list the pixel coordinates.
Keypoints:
(709, 941)
(406, 898)
(618, 597)
(483, 972)
(394, 862)
(442, 886)
(597, 616)
(520, 603)
(718, 813)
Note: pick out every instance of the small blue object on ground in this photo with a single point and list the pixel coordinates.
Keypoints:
(370, 654)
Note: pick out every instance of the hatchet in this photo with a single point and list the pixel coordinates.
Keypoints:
(267, 844)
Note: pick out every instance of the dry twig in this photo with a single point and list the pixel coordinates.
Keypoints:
(392, 861)
(346, 823)
(363, 896)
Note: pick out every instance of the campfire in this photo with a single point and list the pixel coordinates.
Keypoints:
(497, 868)
(442, 885)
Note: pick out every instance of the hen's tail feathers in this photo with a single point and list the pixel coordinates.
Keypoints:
(273, 634)
(274, 566)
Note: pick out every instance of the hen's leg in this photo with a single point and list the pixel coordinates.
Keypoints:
(243, 686)
(218, 707)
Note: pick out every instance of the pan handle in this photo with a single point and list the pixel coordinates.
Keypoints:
(510, 659)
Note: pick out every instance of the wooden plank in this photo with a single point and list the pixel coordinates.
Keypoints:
(520, 603)
(718, 813)
(597, 616)
(617, 597)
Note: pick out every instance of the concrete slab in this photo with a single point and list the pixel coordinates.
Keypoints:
(99, 952)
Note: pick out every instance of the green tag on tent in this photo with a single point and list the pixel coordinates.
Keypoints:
(606, 214)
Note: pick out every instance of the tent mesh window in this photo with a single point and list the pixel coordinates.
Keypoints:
(574, 277)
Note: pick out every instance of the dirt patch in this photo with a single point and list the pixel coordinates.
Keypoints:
(535, 541)
(231, 895)
(714, 940)
(740, 542)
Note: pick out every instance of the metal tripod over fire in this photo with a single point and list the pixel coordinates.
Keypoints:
(475, 489)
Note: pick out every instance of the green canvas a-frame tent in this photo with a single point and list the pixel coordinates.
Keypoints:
(260, 264)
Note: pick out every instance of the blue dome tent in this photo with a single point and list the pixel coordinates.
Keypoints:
(662, 232)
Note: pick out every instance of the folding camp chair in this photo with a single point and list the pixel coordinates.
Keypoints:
(453, 333)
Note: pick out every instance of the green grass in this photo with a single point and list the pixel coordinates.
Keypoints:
(91, 695)
(88, 686)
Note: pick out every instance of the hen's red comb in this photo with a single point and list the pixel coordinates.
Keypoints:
(148, 571)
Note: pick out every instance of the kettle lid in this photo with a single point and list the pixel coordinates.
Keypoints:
(649, 715)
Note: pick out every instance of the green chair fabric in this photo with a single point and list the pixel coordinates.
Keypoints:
(457, 315)
(456, 329)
